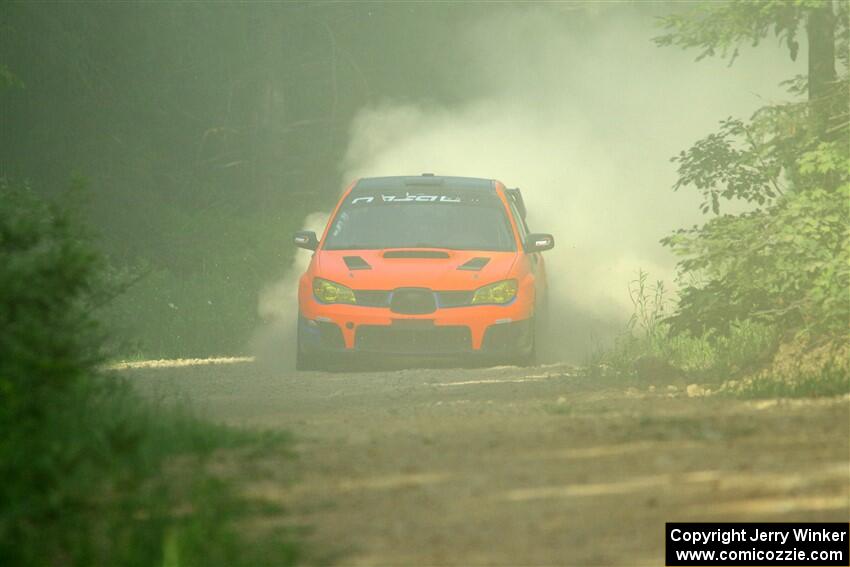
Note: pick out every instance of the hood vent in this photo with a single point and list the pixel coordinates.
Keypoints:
(356, 263)
(474, 265)
(415, 254)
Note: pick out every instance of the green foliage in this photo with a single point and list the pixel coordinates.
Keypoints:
(831, 382)
(49, 341)
(731, 164)
(718, 28)
(782, 130)
(650, 345)
(798, 370)
(650, 304)
(826, 165)
(89, 473)
(748, 359)
(787, 265)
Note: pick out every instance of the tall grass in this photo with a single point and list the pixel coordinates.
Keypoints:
(709, 356)
(108, 479)
(751, 359)
(799, 369)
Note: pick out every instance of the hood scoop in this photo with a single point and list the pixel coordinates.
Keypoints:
(433, 254)
(474, 265)
(356, 263)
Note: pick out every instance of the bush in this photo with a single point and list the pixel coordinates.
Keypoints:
(651, 346)
(774, 281)
(749, 359)
(49, 342)
(787, 265)
(89, 473)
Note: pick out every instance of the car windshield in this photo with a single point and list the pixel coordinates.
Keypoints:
(474, 221)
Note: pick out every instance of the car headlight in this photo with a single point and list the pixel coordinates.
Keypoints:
(330, 292)
(499, 292)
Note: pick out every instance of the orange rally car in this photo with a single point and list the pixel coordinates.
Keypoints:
(422, 266)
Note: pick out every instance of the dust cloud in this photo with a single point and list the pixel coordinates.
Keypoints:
(585, 124)
(274, 343)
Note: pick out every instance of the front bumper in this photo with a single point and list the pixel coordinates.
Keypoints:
(503, 330)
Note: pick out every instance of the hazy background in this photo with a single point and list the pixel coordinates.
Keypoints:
(575, 105)
(207, 133)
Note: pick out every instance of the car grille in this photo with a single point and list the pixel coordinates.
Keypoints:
(443, 299)
(454, 298)
(413, 301)
(411, 339)
(372, 298)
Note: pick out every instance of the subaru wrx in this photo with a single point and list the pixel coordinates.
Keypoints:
(423, 266)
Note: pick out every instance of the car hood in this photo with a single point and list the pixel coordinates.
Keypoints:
(433, 268)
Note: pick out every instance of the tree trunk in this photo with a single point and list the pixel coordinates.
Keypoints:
(820, 29)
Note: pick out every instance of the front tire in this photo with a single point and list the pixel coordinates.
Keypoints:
(529, 358)
(304, 362)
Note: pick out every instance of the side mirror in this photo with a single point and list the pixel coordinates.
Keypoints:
(539, 242)
(305, 239)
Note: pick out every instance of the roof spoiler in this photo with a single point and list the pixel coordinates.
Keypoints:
(515, 196)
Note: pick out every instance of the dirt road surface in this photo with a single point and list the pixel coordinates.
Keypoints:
(521, 466)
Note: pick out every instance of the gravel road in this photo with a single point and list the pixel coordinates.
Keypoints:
(520, 466)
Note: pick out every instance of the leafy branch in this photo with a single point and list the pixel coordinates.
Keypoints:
(718, 28)
(730, 164)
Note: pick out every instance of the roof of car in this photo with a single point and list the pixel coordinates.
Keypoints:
(368, 184)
